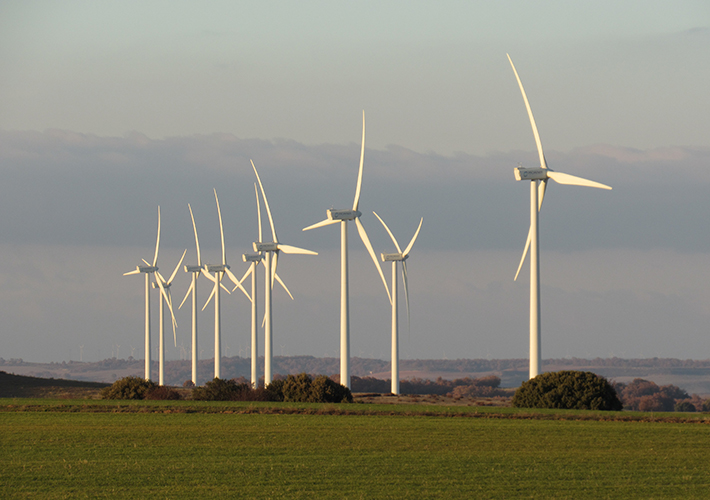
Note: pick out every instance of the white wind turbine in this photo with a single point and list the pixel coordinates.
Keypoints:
(343, 216)
(538, 184)
(254, 260)
(219, 271)
(195, 271)
(269, 248)
(147, 270)
(402, 257)
(166, 296)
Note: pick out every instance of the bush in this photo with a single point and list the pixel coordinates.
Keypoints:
(572, 390)
(303, 389)
(706, 405)
(128, 388)
(686, 406)
(644, 395)
(163, 393)
(219, 390)
(188, 383)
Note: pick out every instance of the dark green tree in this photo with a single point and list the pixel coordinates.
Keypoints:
(573, 390)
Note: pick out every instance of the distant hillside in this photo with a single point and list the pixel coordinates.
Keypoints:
(691, 375)
(22, 386)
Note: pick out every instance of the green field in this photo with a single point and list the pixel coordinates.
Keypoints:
(51, 449)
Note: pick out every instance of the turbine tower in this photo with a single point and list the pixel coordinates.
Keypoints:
(254, 260)
(538, 183)
(269, 249)
(147, 270)
(343, 216)
(195, 271)
(219, 271)
(402, 257)
(165, 295)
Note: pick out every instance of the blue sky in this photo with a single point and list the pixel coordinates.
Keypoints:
(109, 109)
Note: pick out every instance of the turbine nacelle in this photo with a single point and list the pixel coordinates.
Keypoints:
(219, 268)
(193, 269)
(271, 246)
(252, 257)
(147, 269)
(343, 214)
(531, 174)
(394, 257)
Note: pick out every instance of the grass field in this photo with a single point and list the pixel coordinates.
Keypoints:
(74, 449)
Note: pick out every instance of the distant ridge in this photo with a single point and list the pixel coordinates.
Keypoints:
(692, 375)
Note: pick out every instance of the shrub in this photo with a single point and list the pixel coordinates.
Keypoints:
(686, 406)
(275, 388)
(128, 388)
(706, 405)
(219, 390)
(567, 390)
(163, 393)
(303, 389)
(188, 383)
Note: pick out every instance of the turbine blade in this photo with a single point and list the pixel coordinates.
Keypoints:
(322, 223)
(145, 262)
(169, 300)
(135, 271)
(368, 245)
(414, 238)
(574, 180)
(266, 204)
(296, 250)
(221, 229)
(274, 264)
(189, 289)
(541, 188)
(197, 241)
(394, 240)
(237, 282)
(214, 289)
(543, 163)
(405, 278)
(208, 275)
(157, 243)
(224, 288)
(278, 278)
(525, 253)
(172, 276)
(258, 212)
(362, 162)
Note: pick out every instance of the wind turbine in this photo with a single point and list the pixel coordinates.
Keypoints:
(165, 295)
(269, 248)
(147, 270)
(402, 257)
(343, 216)
(254, 260)
(538, 177)
(219, 270)
(195, 270)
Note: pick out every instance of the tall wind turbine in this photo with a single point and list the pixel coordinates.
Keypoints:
(195, 271)
(254, 260)
(219, 271)
(269, 249)
(343, 216)
(402, 257)
(538, 177)
(166, 296)
(147, 270)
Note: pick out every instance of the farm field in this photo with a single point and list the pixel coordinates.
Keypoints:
(90, 449)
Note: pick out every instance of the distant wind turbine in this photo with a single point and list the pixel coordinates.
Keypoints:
(343, 216)
(402, 257)
(268, 249)
(195, 271)
(147, 270)
(538, 177)
(166, 297)
(219, 271)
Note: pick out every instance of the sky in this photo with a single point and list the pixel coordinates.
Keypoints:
(111, 109)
